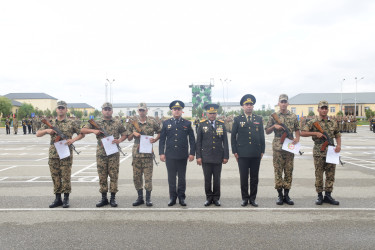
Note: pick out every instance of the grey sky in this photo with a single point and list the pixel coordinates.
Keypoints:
(155, 49)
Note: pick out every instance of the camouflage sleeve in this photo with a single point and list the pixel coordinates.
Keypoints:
(122, 129)
(269, 123)
(88, 125)
(296, 124)
(76, 128)
(43, 127)
(157, 127)
(308, 126)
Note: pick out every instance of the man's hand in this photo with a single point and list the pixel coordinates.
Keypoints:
(136, 134)
(337, 149)
(117, 141)
(191, 157)
(295, 140)
(152, 140)
(97, 132)
(236, 155)
(320, 135)
(70, 141)
(199, 161)
(50, 131)
(261, 155)
(162, 158)
(278, 127)
(225, 161)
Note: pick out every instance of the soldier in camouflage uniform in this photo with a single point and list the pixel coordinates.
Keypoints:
(15, 125)
(283, 160)
(142, 162)
(61, 168)
(7, 125)
(107, 165)
(29, 124)
(321, 167)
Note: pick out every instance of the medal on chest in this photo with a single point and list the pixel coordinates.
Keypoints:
(242, 124)
(169, 126)
(220, 130)
(205, 129)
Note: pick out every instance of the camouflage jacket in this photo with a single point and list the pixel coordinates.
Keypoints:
(112, 127)
(329, 126)
(150, 127)
(67, 127)
(290, 121)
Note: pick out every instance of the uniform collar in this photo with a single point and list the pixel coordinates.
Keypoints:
(321, 119)
(287, 112)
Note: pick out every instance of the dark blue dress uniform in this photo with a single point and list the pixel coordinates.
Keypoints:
(248, 142)
(175, 137)
(212, 148)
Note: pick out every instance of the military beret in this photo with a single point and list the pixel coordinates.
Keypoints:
(211, 108)
(248, 98)
(177, 104)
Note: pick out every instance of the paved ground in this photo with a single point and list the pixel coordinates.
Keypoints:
(26, 191)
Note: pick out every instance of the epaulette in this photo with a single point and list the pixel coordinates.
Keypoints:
(221, 121)
(202, 121)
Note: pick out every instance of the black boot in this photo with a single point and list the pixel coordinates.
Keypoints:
(287, 199)
(140, 200)
(57, 202)
(66, 200)
(328, 199)
(104, 200)
(280, 200)
(319, 201)
(148, 198)
(113, 200)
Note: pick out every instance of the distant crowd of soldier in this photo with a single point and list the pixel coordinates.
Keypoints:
(346, 124)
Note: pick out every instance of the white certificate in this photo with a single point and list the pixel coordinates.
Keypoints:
(290, 147)
(145, 146)
(109, 147)
(62, 149)
(332, 156)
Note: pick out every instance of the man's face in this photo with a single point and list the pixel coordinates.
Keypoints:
(283, 105)
(142, 112)
(248, 108)
(107, 112)
(323, 111)
(61, 111)
(176, 112)
(211, 116)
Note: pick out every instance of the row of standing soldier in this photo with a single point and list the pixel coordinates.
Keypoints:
(177, 145)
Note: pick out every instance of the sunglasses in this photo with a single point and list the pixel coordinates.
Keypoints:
(176, 108)
(107, 109)
(141, 110)
(60, 107)
(324, 107)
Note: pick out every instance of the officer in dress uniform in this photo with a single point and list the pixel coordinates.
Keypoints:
(175, 137)
(212, 151)
(248, 147)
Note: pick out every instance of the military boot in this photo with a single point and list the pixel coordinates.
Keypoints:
(328, 199)
(148, 198)
(287, 199)
(57, 202)
(113, 200)
(104, 200)
(140, 200)
(66, 200)
(280, 200)
(319, 201)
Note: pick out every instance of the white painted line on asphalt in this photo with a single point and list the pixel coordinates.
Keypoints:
(33, 179)
(178, 209)
(3, 178)
(126, 157)
(359, 165)
(7, 168)
(83, 169)
(42, 158)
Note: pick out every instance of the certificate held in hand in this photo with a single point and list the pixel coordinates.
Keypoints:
(109, 147)
(145, 146)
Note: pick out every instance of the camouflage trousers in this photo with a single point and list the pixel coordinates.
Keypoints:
(320, 167)
(15, 128)
(60, 172)
(142, 166)
(108, 166)
(283, 163)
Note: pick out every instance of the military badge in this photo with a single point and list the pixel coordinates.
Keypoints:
(169, 126)
(220, 130)
(205, 129)
(242, 124)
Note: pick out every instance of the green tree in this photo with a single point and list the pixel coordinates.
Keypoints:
(199, 112)
(339, 113)
(54, 113)
(311, 113)
(169, 112)
(25, 110)
(121, 114)
(133, 112)
(220, 110)
(47, 113)
(78, 114)
(369, 113)
(5, 106)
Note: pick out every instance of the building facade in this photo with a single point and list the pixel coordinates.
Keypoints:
(41, 101)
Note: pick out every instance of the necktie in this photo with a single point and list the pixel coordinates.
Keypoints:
(212, 124)
(248, 118)
(177, 121)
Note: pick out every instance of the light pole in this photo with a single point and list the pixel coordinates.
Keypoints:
(355, 99)
(341, 95)
(110, 89)
(222, 83)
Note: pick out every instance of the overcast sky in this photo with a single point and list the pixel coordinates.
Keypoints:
(155, 49)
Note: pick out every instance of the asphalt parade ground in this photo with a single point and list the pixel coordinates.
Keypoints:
(26, 190)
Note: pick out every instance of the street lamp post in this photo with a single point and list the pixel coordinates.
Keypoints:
(341, 95)
(110, 90)
(355, 99)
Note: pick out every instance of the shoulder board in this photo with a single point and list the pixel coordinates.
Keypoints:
(220, 121)
(203, 121)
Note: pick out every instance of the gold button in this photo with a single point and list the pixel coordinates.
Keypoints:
(175, 140)
(213, 142)
(213, 147)
(176, 128)
(176, 134)
(214, 137)
(249, 142)
(249, 137)
(175, 146)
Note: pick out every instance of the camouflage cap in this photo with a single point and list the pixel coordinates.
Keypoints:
(62, 104)
(283, 97)
(142, 105)
(322, 104)
(106, 105)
